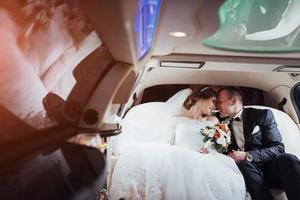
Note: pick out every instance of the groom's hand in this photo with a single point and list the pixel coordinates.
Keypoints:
(237, 156)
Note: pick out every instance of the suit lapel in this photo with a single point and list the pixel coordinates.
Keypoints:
(247, 125)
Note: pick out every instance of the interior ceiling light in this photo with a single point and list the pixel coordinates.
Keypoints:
(178, 34)
(176, 64)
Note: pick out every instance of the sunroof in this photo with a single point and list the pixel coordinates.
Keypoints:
(258, 26)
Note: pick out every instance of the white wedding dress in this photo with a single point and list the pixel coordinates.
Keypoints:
(152, 170)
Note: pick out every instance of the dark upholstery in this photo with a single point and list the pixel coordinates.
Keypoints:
(164, 92)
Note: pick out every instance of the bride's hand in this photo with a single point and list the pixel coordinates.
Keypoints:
(203, 150)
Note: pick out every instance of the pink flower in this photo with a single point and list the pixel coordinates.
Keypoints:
(217, 135)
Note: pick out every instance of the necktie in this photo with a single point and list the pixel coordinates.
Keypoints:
(233, 145)
(236, 119)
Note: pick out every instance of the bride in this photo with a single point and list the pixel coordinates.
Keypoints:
(175, 169)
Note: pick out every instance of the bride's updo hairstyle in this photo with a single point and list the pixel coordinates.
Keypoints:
(204, 93)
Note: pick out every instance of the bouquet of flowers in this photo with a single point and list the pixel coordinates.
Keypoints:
(218, 136)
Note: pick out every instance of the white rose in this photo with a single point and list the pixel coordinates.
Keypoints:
(211, 132)
(228, 139)
(221, 140)
(205, 131)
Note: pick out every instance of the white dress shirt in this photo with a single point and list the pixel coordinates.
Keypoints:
(238, 130)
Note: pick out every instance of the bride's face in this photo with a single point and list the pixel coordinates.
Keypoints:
(207, 105)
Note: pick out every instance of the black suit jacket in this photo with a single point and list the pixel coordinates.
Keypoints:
(264, 144)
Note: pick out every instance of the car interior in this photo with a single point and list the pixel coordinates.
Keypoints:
(73, 71)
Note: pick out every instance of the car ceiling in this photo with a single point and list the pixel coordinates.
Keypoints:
(198, 18)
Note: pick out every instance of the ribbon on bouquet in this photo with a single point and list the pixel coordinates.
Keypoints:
(208, 144)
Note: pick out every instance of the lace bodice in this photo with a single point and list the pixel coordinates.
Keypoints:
(187, 132)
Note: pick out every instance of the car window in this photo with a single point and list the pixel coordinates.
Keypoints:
(258, 26)
(252, 96)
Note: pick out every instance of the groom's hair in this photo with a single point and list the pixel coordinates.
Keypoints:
(233, 91)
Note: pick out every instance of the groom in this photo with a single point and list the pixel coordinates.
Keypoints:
(257, 148)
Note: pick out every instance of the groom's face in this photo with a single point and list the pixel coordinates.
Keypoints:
(225, 104)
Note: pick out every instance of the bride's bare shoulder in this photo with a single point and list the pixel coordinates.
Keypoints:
(182, 117)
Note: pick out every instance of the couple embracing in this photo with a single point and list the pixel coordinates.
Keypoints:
(176, 170)
(256, 147)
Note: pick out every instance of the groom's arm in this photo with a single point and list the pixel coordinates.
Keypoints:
(272, 145)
